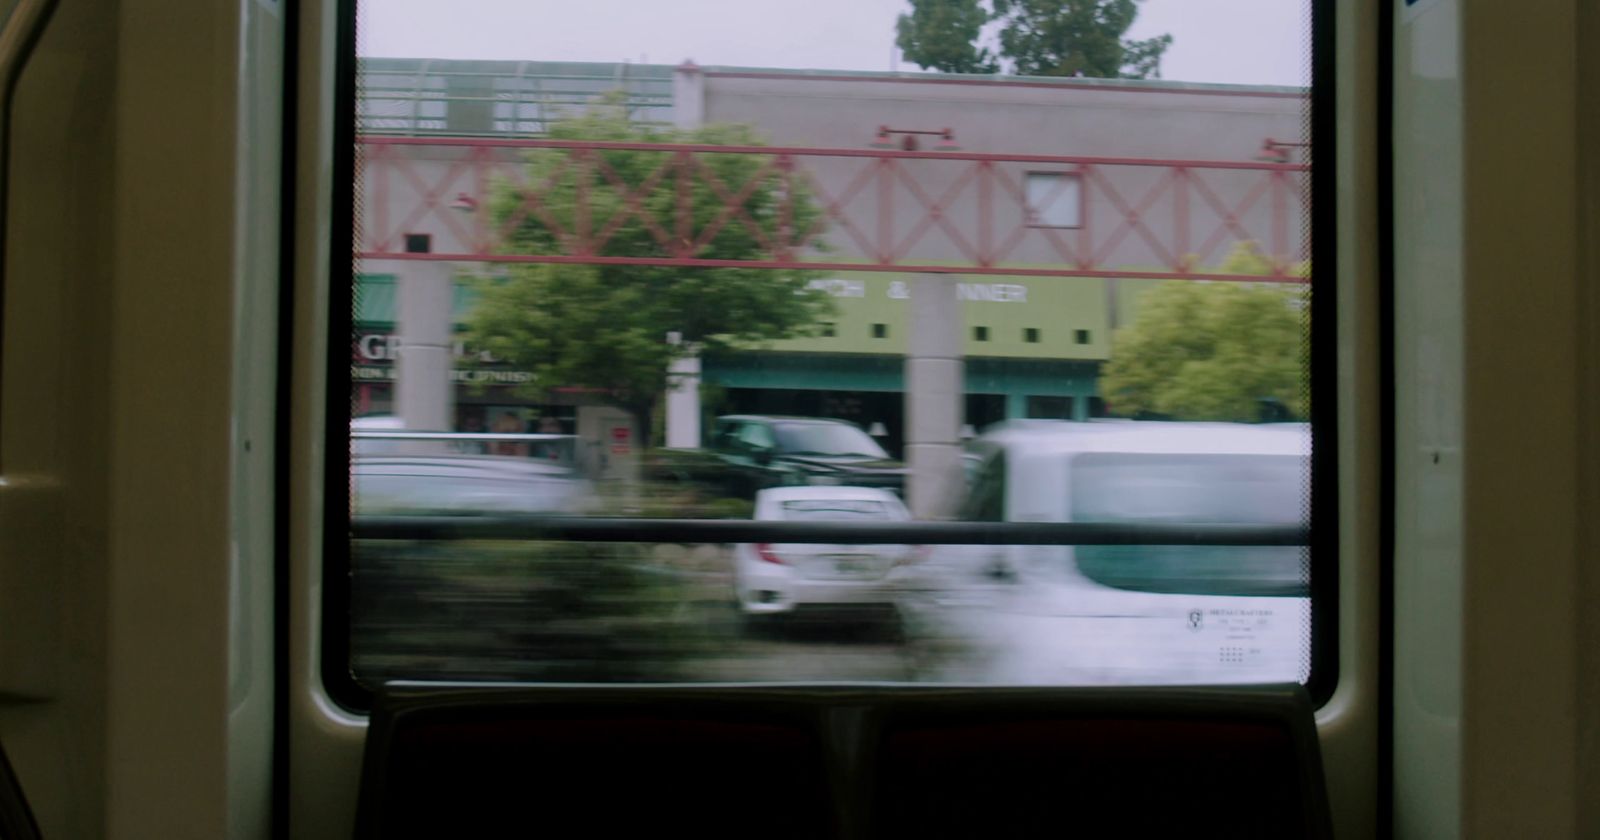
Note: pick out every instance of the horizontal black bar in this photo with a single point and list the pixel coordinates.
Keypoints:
(608, 529)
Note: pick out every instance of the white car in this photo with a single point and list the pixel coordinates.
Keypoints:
(771, 579)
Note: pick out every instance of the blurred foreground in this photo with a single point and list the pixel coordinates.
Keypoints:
(591, 612)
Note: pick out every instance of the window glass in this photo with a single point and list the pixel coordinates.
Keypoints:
(1199, 489)
(1054, 199)
(755, 436)
(1030, 289)
(986, 496)
(826, 439)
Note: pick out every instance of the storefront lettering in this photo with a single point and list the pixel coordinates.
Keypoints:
(386, 373)
(840, 287)
(380, 347)
(985, 292)
(992, 292)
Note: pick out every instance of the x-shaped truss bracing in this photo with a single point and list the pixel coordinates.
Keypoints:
(870, 209)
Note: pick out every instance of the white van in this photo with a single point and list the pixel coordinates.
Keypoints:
(1132, 614)
(1132, 472)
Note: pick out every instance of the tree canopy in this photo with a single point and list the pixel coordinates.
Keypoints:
(1213, 350)
(1036, 38)
(943, 35)
(605, 327)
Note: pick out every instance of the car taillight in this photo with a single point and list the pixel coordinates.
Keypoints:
(764, 551)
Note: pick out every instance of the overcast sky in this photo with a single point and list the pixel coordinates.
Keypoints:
(1229, 41)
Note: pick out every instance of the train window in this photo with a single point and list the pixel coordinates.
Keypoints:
(650, 303)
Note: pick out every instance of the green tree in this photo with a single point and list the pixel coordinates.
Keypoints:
(1213, 350)
(606, 327)
(1036, 38)
(1073, 37)
(943, 34)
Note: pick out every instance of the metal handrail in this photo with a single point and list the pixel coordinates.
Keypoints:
(634, 530)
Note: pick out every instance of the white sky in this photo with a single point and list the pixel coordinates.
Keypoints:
(1228, 41)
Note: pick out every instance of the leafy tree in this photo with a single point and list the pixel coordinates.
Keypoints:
(1037, 38)
(1213, 351)
(1073, 37)
(942, 35)
(605, 326)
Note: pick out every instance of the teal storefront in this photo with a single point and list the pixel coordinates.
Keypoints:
(870, 389)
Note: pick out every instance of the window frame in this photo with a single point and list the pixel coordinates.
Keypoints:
(333, 638)
(1077, 200)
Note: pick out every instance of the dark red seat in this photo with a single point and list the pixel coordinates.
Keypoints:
(822, 762)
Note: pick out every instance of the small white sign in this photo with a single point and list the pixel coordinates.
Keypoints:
(840, 287)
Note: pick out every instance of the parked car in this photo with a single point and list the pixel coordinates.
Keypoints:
(749, 453)
(773, 579)
(375, 423)
(465, 485)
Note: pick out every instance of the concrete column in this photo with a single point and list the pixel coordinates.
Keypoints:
(688, 96)
(423, 394)
(683, 403)
(683, 389)
(934, 379)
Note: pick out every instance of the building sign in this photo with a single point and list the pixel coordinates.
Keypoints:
(985, 292)
(380, 347)
(373, 357)
(840, 287)
(992, 292)
(385, 373)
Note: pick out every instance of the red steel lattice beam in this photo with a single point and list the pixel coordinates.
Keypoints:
(1147, 223)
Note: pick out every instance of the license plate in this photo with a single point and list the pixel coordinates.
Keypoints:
(852, 565)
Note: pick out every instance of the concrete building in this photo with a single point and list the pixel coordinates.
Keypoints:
(1089, 190)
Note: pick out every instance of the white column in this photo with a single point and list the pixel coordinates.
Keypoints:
(683, 378)
(683, 403)
(688, 96)
(423, 395)
(935, 373)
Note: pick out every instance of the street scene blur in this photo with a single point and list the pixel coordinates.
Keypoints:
(1027, 278)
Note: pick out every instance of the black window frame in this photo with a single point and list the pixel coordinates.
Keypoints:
(334, 630)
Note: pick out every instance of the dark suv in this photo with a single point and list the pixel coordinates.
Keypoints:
(747, 453)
